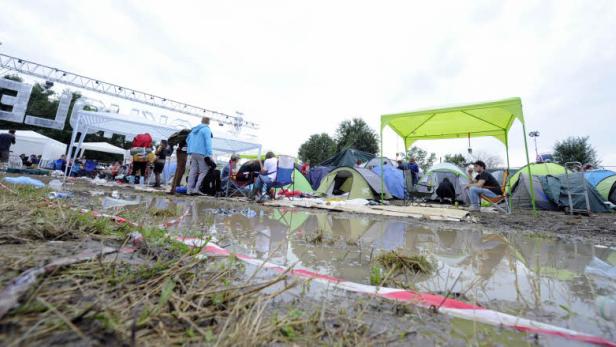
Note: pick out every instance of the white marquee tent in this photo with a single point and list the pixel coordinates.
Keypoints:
(30, 142)
(104, 147)
(84, 122)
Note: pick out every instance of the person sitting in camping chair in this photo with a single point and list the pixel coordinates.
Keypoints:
(484, 184)
(267, 177)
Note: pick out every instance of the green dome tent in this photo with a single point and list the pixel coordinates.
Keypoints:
(352, 183)
(537, 169)
(607, 189)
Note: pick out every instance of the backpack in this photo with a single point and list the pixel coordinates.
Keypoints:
(142, 140)
(179, 138)
(211, 183)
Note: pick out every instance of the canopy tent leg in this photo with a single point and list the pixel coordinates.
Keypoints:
(532, 189)
(69, 153)
(381, 165)
(508, 183)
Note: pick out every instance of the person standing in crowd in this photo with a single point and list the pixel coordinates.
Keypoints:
(159, 163)
(179, 139)
(483, 184)
(60, 164)
(199, 146)
(6, 140)
(305, 168)
(141, 147)
(414, 168)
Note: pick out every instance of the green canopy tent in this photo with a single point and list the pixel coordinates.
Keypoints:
(493, 118)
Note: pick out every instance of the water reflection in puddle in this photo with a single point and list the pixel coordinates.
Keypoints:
(536, 277)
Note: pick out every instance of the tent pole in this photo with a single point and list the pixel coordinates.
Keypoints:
(381, 165)
(532, 189)
(508, 183)
(69, 153)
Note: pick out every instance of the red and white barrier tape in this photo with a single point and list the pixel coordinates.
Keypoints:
(442, 304)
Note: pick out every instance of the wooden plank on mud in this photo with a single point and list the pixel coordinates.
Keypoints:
(430, 213)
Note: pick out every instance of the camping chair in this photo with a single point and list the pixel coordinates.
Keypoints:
(285, 173)
(234, 187)
(498, 200)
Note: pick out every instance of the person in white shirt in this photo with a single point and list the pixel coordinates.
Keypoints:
(267, 177)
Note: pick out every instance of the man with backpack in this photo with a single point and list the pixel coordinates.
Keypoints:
(179, 139)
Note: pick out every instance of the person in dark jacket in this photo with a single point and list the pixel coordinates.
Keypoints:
(178, 139)
(446, 190)
(6, 140)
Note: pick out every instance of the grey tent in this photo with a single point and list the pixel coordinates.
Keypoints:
(521, 194)
(347, 157)
(556, 188)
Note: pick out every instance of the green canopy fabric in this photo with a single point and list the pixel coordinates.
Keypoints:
(493, 118)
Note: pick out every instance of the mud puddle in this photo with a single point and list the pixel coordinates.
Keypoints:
(566, 283)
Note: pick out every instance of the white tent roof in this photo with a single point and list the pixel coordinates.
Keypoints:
(103, 147)
(30, 142)
(123, 125)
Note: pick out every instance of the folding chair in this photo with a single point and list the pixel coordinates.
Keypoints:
(285, 173)
(498, 200)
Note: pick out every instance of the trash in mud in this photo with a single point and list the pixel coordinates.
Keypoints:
(59, 195)
(55, 185)
(415, 263)
(24, 181)
(249, 213)
(112, 202)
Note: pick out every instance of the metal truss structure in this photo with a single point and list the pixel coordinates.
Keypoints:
(55, 75)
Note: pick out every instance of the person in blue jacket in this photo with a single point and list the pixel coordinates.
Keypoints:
(199, 143)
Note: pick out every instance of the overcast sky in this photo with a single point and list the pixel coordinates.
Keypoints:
(301, 68)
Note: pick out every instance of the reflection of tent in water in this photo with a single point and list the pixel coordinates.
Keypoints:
(437, 174)
(604, 182)
(386, 235)
(352, 183)
(291, 219)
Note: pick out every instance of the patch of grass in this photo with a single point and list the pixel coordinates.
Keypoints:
(397, 262)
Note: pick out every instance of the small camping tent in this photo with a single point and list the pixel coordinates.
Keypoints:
(394, 180)
(352, 183)
(30, 142)
(558, 187)
(537, 169)
(437, 173)
(347, 157)
(604, 182)
(374, 162)
(104, 147)
(521, 193)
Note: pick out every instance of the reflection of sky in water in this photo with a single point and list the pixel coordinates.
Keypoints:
(535, 277)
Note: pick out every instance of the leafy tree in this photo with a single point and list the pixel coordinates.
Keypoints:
(423, 159)
(357, 134)
(317, 148)
(577, 149)
(457, 159)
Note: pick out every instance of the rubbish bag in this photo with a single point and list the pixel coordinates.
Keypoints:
(55, 185)
(25, 181)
